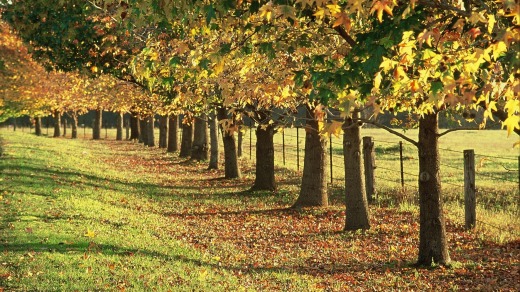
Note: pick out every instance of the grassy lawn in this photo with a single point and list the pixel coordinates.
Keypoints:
(104, 215)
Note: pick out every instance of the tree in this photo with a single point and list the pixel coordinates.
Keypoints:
(200, 138)
(163, 131)
(173, 129)
(313, 191)
(355, 197)
(214, 145)
(187, 138)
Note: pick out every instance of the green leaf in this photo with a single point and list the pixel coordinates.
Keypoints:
(298, 78)
(204, 64)
(436, 87)
(210, 13)
(174, 61)
(254, 7)
(225, 48)
(267, 49)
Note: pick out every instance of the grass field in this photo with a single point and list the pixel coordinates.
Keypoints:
(104, 215)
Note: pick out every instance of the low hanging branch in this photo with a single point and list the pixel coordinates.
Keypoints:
(404, 137)
(458, 129)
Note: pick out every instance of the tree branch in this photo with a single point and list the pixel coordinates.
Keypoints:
(415, 143)
(344, 34)
(457, 129)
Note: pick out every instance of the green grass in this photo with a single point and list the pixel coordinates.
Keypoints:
(71, 221)
(53, 193)
(100, 215)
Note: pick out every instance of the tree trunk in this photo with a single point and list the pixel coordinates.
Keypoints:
(240, 143)
(231, 168)
(134, 127)
(173, 130)
(74, 125)
(186, 140)
(119, 126)
(126, 121)
(143, 132)
(57, 124)
(214, 151)
(15, 125)
(64, 121)
(163, 131)
(313, 191)
(355, 197)
(38, 126)
(199, 148)
(432, 236)
(150, 129)
(98, 122)
(264, 170)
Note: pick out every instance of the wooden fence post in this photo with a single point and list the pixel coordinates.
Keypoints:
(298, 148)
(469, 189)
(369, 157)
(283, 146)
(330, 160)
(402, 162)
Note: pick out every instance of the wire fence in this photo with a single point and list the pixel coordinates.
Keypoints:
(497, 177)
(397, 170)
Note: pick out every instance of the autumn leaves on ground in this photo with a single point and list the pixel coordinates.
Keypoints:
(105, 215)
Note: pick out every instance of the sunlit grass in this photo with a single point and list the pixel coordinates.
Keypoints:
(71, 222)
(85, 215)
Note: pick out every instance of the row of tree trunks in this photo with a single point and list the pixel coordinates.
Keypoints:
(59, 120)
(313, 192)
